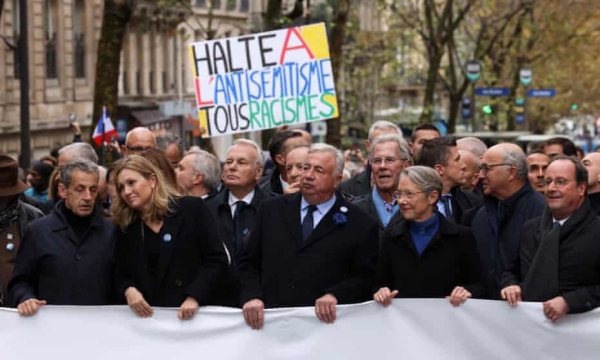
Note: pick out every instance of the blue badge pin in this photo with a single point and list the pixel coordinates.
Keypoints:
(245, 232)
(167, 237)
(10, 247)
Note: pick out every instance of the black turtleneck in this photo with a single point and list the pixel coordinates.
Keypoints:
(77, 223)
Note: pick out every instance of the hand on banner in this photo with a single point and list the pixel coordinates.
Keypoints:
(293, 188)
(459, 295)
(555, 308)
(384, 296)
(136, 302)
(254, 313)
(325, 308)
(188, 309)
(30, 307)
(512, 294)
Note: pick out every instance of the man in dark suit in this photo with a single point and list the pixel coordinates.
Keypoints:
(279, 145)
(441, 154)
(309, 248)
(360, 184)
(236, 207)
(508, 203)
(66, 258)
(559, 256)
(592, 164)
(389, 157)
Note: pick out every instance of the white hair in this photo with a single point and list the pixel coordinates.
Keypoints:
(207, 164)
(260, 158)
(403, 152)
(383, 125)
(472, 144)
(80, 151)
(337, 154)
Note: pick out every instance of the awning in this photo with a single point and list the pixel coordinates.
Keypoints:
(147, 117)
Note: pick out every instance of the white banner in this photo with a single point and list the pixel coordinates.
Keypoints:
(409, 329)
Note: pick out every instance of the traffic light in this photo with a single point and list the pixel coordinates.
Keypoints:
(574, 106)
(466, 108)
(520, 110)
(487, 109)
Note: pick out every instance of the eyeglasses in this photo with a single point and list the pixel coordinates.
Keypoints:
(409, 194)
(487, 168)
(387, 160)
(559, 183)
(138, 149)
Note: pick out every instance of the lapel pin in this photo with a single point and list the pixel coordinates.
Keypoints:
(245, 232)
(344, 209)
(9, 236)
(167, 237)
(10, 247)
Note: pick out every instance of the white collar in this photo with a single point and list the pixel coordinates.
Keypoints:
(284, 185)
(247, 199)
(561, 222)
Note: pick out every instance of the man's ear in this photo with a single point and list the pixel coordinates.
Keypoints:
(368, 146)
(123, 149)
(439, 168)
(259, 172)
(62, 190)
(279, 160)
(199, 179)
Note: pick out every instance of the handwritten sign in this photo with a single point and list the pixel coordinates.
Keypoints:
(260, 81)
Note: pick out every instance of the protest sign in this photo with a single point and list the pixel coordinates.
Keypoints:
(261, 81)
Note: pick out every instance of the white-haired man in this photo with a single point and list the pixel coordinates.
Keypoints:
(311, 248)
(199, 173)
(360, 184)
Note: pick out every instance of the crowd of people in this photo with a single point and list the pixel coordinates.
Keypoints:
(432, 217)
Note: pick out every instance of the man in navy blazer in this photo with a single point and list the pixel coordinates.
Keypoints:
(310, 248)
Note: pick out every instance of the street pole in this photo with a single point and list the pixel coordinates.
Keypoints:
(25, 158)
(473, 106)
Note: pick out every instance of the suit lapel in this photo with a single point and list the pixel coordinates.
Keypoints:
(171, 226)
(373, 211)
(291, 216)
(325, 226)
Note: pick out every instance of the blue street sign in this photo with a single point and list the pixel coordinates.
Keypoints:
(541, 93)
(492, 91)
(520, 118)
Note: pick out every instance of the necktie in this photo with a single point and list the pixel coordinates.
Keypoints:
(389, 206)
(309, 222)
(446, 200)
(555, 225)
(237, 226)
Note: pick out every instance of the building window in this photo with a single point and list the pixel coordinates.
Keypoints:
(79, 35)
(231, 5)
(216, 4)
(16, 30)
(201, 3)
(244, 6)
(50, 26)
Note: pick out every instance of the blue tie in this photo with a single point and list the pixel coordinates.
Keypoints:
(309, 222)
(446, 200)
(237, 226)
(556, 225)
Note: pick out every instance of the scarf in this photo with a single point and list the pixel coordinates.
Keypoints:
(10, 213)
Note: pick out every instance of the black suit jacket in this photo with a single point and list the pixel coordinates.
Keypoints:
(339, 256)
(192, 263)
(367, 206)
(358, 185)
(449, 260)
(462, 201)
(56, 266)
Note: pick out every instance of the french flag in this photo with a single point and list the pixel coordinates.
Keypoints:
(105, 127)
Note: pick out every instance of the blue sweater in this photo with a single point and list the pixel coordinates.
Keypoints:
(423, 232)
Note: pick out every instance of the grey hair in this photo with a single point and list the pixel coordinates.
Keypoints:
(383, 125)
(260, 157)
(337, 154)
(165, 139)
(66, 173)
(514, 156)
(208, 165)
(472, 144)
(426, 179)
(403, 152)
(80, 151)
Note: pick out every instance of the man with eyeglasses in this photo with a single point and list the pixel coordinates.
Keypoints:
(559, 256)
(389, 156)
(592, 164)
(441, 154)
(509, 201)
(138, 140)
